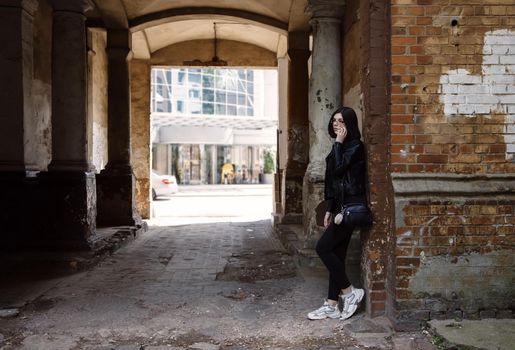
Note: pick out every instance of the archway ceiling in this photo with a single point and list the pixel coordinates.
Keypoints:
(160, 23)
(164, 35)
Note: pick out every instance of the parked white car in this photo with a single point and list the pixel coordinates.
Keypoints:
(163, 185)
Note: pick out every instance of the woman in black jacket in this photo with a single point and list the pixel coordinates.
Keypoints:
(345, 178)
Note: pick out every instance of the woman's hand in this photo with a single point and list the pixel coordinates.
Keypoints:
(341, 134)
(327, 219)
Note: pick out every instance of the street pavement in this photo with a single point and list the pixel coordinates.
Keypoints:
(213, 203)
(211, 286)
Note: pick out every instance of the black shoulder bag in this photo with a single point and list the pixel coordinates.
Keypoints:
(354, 214)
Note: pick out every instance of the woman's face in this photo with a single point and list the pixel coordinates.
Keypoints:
(338, 122)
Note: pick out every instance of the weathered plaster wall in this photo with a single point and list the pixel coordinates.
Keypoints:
(140, 133)
(38, 135)
(237, 54)
(351, 57)
(97, 99)
(453, 106)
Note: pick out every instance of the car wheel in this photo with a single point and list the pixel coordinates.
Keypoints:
(154, 194)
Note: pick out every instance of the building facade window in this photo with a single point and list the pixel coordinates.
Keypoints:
(206, 91)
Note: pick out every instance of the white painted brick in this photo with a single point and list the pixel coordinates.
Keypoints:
(499, 79)
(510, 148)
(498, 32)
(444, 79)
(491, 59)
(450, 89)
(450, 109)
(499, 109)
(464, 79)
(511, 49)
(481, 108)
(474, 89)
(466, 109)
(483, 99)
(505, 99)
(490, 69)
(510, 128)
(509, 138)
(500, 89)
(501, 49)
(510, 118)
(500, 40)
(507, 59)
(510, 69)
(453, 99)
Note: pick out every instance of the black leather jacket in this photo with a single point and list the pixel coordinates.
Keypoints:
(345, 175)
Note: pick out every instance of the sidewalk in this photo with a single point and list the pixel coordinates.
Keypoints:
(204, 286)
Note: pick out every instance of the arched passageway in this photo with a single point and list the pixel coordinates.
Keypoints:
(105, 146)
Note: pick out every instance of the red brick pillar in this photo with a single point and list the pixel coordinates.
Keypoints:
(377, 249)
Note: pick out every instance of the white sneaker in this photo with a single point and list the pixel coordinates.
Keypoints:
(350, 302)
(325, 311)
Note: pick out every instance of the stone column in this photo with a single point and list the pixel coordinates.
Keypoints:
(116, 183)
(297, 126)
(325, 95)
(16, 67)
(69, 185)
(16, 70)
(140, 134)
(69, 87)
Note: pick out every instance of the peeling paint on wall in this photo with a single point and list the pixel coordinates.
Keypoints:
(353, 98)
(492, 92)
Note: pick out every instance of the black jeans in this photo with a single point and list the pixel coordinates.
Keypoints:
(332, 249)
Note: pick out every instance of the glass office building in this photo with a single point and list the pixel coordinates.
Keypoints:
(203, 91)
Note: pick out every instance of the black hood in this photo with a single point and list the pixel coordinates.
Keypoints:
(351, 122)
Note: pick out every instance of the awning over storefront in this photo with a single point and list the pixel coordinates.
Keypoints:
(222, 130)
(234, 122)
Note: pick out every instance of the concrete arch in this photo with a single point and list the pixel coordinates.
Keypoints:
(154, 38)
(188, 13)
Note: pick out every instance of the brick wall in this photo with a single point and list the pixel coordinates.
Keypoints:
(454, 259)
(453, 86)
(452, 158)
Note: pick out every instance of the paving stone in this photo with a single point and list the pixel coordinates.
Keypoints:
(54, 342)
(205, 346)
(7, 313)
(364, 326)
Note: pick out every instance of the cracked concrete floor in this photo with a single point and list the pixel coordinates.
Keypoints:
(205, 286)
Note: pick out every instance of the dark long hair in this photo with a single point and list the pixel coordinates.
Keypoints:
(351, 122)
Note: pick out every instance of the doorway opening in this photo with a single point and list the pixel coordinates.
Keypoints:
(214, 143)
